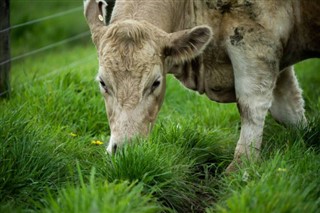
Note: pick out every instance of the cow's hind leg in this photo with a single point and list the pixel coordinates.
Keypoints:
(288, 105)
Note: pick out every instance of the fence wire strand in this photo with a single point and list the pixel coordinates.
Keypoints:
(72, 65)
(42, 19)
(55, 72)
(50, 46)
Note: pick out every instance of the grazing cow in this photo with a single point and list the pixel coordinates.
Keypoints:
(239, 51)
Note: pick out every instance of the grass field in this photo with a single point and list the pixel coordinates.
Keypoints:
(49, 164)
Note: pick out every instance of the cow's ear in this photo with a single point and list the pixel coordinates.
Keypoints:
(95, 13)
(187, 44)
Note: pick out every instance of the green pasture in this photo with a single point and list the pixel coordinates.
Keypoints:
(49, 161)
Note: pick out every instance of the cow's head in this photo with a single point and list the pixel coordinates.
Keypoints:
(134, 57)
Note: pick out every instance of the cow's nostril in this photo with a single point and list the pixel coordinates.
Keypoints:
(114, 148)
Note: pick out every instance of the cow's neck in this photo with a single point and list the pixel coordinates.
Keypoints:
(168, 15)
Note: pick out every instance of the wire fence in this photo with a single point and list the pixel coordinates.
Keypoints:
(57, 71)
(49, 46)
(56, 15)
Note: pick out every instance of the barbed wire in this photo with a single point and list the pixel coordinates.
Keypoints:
(42, 19)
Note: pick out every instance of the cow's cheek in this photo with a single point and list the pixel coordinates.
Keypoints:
(153, 109)
(156, 101)
(152, 113)
(110, 111)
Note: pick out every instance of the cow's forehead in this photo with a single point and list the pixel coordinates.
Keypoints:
(134, 62)
(129, 50)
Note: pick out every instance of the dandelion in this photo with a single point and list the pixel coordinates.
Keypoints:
(281, 169)
(96, 142)
(73, 134)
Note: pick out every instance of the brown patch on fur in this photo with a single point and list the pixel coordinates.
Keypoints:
(247, 7)
(237, 38)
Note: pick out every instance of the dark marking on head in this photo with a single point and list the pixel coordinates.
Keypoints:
(237, 38)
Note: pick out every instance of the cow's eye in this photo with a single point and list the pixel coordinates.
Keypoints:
(103, 86)
(155, 85)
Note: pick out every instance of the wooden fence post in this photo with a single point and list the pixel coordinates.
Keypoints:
(4, 48)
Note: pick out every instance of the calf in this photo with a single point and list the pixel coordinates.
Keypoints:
(239, 51)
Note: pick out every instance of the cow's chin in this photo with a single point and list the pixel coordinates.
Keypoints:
(116, 142)
(113, 145)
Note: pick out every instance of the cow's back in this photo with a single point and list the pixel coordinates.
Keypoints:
(295, 25)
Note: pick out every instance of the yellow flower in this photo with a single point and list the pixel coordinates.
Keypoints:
(96, 142)
(73, 134)
(282, 169)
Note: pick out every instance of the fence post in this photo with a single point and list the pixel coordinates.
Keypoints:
(4, 48)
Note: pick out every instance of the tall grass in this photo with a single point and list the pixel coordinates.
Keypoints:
(47, 158)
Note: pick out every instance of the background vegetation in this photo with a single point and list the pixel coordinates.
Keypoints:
(48, 162)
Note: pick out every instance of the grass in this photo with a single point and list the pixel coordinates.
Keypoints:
(49, 164)
(106, 197)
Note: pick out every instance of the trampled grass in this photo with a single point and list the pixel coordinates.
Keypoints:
(48, 163)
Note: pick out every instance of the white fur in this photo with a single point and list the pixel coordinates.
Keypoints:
(288, 105)
(254, 99)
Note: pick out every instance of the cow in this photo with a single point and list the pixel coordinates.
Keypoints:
(233, 51)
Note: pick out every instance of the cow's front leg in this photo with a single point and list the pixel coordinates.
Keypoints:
(253, 110)
(255, 60)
